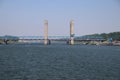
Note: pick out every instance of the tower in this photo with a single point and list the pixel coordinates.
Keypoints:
(71, 32)
(46, 32)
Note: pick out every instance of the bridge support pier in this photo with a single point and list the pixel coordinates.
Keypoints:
(46, 40)
(71, 41)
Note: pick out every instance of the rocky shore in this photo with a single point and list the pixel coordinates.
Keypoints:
(105, 43)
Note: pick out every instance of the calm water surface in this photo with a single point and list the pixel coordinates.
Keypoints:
(59, 62)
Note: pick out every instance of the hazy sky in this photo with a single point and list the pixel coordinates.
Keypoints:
(26, 17)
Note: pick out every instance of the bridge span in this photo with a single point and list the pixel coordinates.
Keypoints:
(46, 39)
(52, 39)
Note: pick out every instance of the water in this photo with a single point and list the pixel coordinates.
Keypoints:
(59, 62)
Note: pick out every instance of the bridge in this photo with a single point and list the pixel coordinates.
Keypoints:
(40, 39)
(47, 39)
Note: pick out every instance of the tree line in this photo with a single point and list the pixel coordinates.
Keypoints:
(106, 36)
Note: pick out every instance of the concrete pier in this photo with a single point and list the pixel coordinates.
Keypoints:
(71, 32)
(46, 41)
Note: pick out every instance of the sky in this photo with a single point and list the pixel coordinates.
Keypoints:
(26, 17)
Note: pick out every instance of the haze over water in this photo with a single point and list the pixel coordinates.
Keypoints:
(59, 62)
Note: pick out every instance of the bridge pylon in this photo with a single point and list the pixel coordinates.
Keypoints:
(46, 40)
(71, 33)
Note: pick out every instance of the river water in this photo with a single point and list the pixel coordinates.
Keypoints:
(59, 62)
